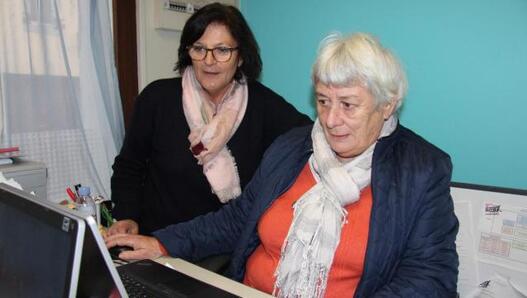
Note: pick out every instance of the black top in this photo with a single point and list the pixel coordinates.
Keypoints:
(156, 180)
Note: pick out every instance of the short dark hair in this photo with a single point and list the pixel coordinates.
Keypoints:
(231, 17)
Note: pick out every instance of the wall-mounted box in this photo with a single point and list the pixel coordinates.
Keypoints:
(172, 14)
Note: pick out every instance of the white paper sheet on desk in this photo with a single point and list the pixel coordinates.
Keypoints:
(10, 181)
(503, 235)
(498, 286)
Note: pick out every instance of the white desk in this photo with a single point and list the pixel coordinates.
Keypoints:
(212, 278)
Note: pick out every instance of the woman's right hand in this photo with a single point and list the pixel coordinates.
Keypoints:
(125, 226)
(142, 247)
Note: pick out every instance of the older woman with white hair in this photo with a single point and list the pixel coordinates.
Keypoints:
(355, 205)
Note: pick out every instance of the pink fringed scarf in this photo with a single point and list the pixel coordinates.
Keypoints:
(211, 127)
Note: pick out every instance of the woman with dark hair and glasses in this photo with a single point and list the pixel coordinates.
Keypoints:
(194, 142)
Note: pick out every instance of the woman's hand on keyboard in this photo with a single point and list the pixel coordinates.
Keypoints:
(125, 226)
(144, 247)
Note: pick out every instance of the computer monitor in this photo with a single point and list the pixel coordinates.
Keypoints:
(40, 246)
(47, 250)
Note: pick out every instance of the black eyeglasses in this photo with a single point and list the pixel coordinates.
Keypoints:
(220, 54)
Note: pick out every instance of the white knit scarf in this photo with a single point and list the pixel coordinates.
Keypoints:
(213, 126)
(307, 253)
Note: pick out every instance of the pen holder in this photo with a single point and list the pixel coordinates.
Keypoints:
(86, 205)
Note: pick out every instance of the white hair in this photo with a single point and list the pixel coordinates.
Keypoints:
(360, 59)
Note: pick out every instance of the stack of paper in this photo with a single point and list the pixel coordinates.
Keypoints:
(7, 154)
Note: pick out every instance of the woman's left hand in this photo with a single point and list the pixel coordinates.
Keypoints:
(144, 247)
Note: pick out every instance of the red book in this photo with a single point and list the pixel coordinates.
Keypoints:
(9, 149)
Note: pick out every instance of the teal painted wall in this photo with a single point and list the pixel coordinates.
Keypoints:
(466, 62)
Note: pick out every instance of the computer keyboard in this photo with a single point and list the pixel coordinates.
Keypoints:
(137, 289)
(133, 287)
(146, 278)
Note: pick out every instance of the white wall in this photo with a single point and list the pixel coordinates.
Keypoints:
(157, 47)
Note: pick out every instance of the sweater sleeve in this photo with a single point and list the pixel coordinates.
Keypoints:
(428, 266)
(129, 168)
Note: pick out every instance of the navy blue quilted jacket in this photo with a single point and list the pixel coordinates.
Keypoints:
(411, 248)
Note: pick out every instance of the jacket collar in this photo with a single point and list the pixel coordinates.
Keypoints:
(381, 149)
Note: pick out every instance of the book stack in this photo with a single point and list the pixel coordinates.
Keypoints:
(7, 154)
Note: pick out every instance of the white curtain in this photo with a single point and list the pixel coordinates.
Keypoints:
(59, 91)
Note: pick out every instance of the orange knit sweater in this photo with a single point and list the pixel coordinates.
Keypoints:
(274, 224)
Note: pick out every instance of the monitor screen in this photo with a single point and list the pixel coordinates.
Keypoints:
(95, 276)
(37, 248)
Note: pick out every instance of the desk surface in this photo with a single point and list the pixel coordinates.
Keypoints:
(212, 278)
